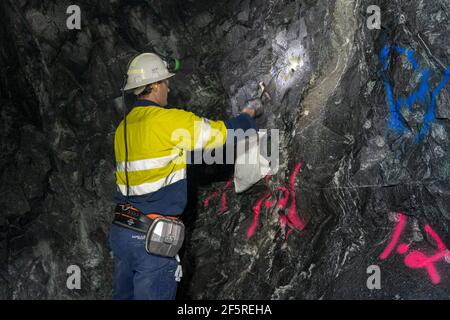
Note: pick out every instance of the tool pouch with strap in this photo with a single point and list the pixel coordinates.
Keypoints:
(164, 237)
(164, 234)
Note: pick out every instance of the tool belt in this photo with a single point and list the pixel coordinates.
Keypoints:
(164, 234)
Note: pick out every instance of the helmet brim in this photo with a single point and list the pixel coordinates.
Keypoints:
(145, 82)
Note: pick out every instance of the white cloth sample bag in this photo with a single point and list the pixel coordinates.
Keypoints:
(250, 166)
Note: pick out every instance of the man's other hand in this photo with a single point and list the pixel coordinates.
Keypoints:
(254, 108)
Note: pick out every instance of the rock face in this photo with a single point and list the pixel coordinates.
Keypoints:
(363, 183)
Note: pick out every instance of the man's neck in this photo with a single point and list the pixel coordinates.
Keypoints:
(145, 102)
(149, 97)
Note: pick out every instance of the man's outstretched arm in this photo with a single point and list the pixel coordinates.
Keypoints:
(191, 132)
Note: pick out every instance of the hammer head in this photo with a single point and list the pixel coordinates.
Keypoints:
(264, 92)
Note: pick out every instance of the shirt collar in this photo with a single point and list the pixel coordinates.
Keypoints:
(145, 103)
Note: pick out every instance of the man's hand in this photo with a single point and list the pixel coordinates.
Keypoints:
(249, 111)
(254, 108)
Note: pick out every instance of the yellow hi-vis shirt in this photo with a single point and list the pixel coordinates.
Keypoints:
(158, 140)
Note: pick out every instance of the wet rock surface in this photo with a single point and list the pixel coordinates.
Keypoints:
(356, 167)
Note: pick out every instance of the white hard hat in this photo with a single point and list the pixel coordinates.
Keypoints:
(144, 69)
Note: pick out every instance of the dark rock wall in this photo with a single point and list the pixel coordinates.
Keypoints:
(348, 168)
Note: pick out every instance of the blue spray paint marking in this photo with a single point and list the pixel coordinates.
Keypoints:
(396, 121)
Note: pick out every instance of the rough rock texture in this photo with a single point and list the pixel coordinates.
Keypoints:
(354, 165)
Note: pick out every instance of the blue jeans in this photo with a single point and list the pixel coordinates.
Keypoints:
(137, 274)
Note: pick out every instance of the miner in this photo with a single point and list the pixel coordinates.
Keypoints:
(151, 144)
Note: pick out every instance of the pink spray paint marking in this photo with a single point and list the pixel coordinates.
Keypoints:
(223, 203)
(223, 197)
(403, 248)
(288, 234)
(417, 259)
(229, 184)
(206, 201)
(292, 219)
(256, 210)
(283, 201)
(268, 204)
(223, 200)
(436, 238)
(283, 219)
(397, 233)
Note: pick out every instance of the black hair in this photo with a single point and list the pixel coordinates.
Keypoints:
(148, 89)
